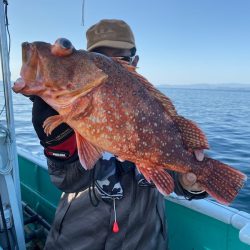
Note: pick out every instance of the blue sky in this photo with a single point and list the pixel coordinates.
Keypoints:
(179, 41)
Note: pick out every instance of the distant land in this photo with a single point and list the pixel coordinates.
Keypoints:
(207, 86)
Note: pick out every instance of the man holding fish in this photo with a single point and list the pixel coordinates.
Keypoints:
(111, 206)
(126, 212)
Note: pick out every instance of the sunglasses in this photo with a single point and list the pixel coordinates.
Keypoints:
(128, 59)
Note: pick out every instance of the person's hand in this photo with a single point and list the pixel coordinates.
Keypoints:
(199, 154)
(61, 143)
(189, 180)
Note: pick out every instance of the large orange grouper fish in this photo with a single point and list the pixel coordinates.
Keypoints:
(112, 108)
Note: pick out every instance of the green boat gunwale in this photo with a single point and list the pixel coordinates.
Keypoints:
(228, 215)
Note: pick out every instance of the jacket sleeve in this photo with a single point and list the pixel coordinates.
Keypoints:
(179, 190)
(70, 177)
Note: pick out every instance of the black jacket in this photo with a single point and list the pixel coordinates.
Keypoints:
(80, 225)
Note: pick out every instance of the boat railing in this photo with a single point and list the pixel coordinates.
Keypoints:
(228, 215)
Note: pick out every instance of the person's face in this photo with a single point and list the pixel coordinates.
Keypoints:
(125, 54)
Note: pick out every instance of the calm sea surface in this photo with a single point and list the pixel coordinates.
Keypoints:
(222, 113)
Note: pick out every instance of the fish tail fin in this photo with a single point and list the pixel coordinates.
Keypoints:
(162, 179)
(221, 181)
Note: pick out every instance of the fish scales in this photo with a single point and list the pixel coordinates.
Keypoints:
(145, 109)
(112, 108)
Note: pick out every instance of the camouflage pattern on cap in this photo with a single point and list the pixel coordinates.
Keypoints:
(110, 33)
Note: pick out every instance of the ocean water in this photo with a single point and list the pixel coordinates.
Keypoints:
(223, 113)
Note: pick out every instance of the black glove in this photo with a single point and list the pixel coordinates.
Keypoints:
(61, 143)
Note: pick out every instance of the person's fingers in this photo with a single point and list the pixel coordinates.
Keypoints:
(196, 187)
(188, 179)
(199, 154)
(188, 182)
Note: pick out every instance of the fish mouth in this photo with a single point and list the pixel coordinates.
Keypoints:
(19, 85)
(27, 88)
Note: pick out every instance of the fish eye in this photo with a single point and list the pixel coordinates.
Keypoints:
(62, 47)
(64, 43)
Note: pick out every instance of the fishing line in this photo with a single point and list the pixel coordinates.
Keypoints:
(3, 108)
(83, 7)
(7, 23)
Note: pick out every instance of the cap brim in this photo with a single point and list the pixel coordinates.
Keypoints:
(112, 44)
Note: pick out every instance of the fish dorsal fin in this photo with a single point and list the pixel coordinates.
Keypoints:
(192, 136)
(165, 101)
(125, 64)
(88, 153)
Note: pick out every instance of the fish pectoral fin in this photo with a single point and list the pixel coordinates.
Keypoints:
(51, 123)
(160, 177)
(88, 153)
(192, 136)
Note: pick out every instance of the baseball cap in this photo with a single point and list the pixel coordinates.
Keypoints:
(111, 33)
